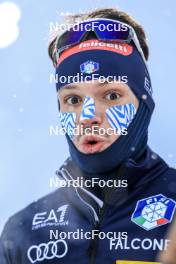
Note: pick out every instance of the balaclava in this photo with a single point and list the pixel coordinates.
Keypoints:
(92, 57)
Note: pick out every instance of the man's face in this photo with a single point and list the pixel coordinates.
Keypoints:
(105, 95)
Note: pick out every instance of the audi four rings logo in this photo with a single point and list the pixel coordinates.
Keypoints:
(50, 250)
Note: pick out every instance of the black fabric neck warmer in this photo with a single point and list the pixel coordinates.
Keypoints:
(130, 146)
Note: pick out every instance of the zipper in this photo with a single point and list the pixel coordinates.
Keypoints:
(87, 204)
(101, 217)
(97, 227)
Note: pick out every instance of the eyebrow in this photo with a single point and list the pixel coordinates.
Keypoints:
(73, 86)
(69, 87)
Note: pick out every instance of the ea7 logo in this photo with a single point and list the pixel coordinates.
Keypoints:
(50, 250)
(51, 218)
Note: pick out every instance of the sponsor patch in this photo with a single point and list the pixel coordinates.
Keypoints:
(55, 217)
(139, 244)
(47, 251)
(89, 67)
(153, 212)
(120, 48)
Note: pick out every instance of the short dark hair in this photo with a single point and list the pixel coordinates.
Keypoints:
(110, 13)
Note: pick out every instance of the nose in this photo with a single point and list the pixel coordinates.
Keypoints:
(88, 116)
(96, 120)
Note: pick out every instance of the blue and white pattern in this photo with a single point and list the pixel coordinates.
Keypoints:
(89, 67)
(68, 122)
(88, 109)
(120, 116)
(153, 212)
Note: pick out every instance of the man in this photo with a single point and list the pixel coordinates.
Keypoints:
(113, 205)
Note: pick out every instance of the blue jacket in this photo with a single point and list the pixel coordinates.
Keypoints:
(123, 223)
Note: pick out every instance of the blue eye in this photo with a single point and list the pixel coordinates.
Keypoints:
(73, 100)
(112, 96)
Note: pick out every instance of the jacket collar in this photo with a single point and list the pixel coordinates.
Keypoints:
(136, 174)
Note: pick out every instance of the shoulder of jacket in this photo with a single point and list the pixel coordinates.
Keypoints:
(45, 203)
